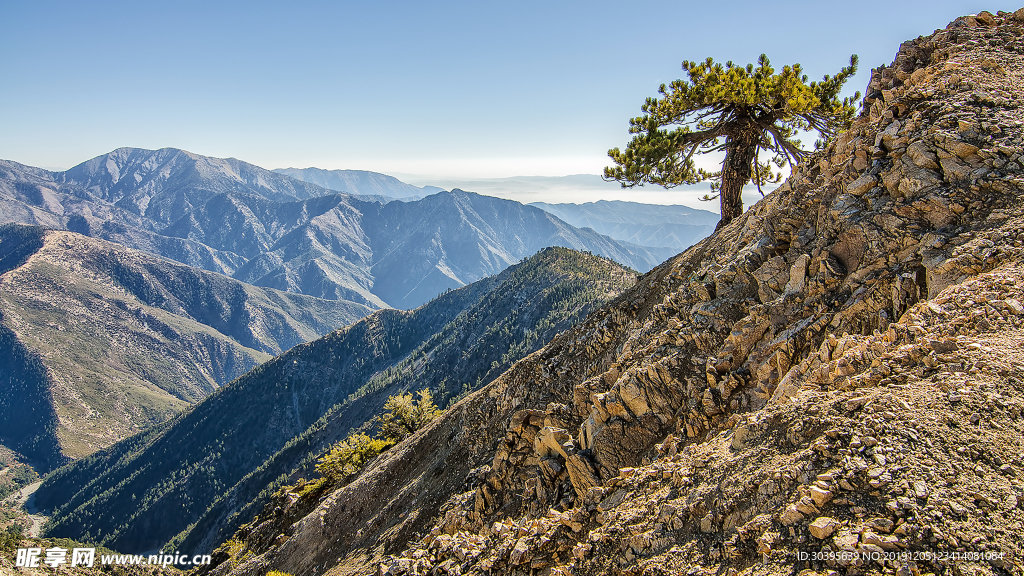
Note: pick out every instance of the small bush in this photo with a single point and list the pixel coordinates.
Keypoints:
(402, 415)
(349, 456)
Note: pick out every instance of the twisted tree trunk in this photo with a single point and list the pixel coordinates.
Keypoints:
(739, 157)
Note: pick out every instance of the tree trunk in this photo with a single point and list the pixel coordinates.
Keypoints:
(739, 155)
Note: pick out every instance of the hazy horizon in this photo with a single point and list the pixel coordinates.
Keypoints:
(449, 90)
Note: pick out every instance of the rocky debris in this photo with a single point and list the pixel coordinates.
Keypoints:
(833, 379)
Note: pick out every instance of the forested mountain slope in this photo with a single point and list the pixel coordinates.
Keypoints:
(139, 493)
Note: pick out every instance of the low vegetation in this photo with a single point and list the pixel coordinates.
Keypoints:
(403, 415)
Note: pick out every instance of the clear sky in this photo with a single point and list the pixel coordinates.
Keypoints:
(454, 89)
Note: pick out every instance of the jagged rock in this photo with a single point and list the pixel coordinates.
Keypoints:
(581, 475)
(862, 185)
(550, 441)
(823, 527)
(791, 515)
(820, 496)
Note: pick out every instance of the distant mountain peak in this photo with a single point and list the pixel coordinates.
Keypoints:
(325, 237)
(359, 182)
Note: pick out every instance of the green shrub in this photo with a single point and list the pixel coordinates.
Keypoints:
(348, 457)
(402, 415)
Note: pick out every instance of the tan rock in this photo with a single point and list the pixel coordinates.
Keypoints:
(918, 180)
(846, 540)
(806, 506)
(861, 185)
(884, 542)
(920, 488)
(551, 441)
(823, 527)
(820, 496)
(632, 396)
(790, 515)
(707, 523)
(860, 160)
(521, 552)
(739, 435)
(961, 149)
(766, 541)
(921, 155)
(581, 475)
(798, 275)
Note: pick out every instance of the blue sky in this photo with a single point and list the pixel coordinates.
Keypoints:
(457, 89)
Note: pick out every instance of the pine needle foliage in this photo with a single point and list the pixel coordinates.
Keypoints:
(404, 415)
(742, 110)
(348, 457)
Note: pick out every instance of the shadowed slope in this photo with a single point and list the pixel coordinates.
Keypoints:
(126, 339)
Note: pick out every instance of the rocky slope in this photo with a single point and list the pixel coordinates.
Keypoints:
(833, 377)
(267, 229)
(105, 341)
(198, 474)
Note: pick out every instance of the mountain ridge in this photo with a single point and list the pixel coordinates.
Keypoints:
(360, 182)
(674, 228)
(126, 339)
(268, 229)
(453, 344)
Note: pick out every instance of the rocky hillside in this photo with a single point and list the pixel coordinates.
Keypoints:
(102, 341)
(836, 376)
(199, 473)
(268, 229)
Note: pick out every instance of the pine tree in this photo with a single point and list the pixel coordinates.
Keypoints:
(403, 415)
(741, 110)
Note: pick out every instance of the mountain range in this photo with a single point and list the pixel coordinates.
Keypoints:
(675, 227)
(148, 338)
(360, 182)
(830, 383)
(268, 229)
(112, 340)
(293, 407)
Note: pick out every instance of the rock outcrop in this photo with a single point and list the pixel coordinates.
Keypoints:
(831, 382)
